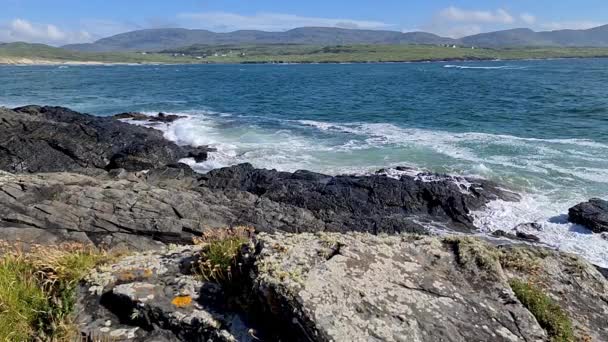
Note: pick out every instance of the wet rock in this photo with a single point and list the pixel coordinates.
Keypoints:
(161, 117)
(527, 237)
(55, 139)
(502, 233)
(592, 214)
(171, 204)
(517, 236)
(530, 226)
(374, 203)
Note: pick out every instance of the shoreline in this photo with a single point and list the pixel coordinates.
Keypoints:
(34, 62)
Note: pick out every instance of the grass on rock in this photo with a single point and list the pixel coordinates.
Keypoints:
(217, 260)
(548, 313)
(38, 288)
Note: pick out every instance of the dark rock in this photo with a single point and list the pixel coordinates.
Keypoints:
(501, 233)
(363, 203)
(51, 139)
(161, 117)
(592, 214)
(517, 236)
(527, 237)
(171, 204)
(530, 226)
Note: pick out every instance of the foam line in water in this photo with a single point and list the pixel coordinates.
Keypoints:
(503, 67)
(537, 165)
(555, 230)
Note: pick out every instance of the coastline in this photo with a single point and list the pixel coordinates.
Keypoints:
(43, 62)
(303, 240)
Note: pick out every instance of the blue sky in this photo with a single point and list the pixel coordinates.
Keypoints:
(69, 21)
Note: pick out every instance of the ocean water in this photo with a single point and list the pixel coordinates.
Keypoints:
(538, 127)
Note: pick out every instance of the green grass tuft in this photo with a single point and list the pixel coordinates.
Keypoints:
(217, 261)
(548, 313)
(37, 290)
(218, 258)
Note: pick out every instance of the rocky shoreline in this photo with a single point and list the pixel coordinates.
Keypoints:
(322, 247)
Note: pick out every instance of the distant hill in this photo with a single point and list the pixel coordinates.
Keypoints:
(163, 39)
(172, 38)
(27, 53)
(24, 53)
(595, 37)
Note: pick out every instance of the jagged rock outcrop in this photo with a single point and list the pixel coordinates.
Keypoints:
(592, 214)
(172, 204)
(347, 287)
(374, 203)
(55, 139)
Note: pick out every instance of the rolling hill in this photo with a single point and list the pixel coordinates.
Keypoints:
(23, 53)
(172, 38)
(162, 39)
(26, 53)
(594, 37)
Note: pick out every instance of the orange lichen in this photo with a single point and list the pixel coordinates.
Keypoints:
(126, 276)
(182, 301)
(134, 274)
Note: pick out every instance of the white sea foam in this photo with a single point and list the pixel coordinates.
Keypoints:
(538, 165)
(463, 183)
(555, 229)
(503, 67)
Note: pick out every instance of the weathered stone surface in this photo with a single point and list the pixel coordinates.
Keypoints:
(344, 287)
(592, 214)
(51, 139)
(136, 210)
(153, 296)
(357, 287)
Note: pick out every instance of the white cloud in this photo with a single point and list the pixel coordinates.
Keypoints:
(225, 21)
(527, 18)
(499, 16)
(23, 30)
(573, 25)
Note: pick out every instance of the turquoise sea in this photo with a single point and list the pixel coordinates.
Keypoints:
(538, 127)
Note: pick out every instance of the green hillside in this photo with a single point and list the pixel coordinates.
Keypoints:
(23, 53)
(371, 53)
(41, 52)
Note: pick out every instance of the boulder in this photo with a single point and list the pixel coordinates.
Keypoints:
(55, 139)
(592, 214)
